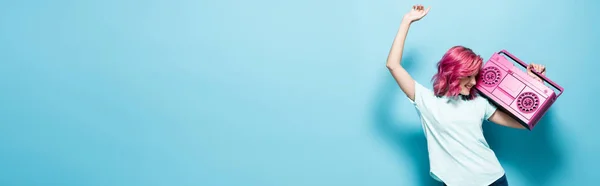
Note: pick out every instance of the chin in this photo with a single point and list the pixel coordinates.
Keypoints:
(466, 92)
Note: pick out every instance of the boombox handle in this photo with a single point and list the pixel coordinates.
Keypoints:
(541, 75)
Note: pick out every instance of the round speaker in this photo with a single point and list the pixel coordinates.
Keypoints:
(490, 76)
(528, 102)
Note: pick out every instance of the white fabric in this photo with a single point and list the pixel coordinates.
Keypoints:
(458, 152)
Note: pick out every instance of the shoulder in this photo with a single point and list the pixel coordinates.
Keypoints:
(479, 103)
(423, 90)
(423, 95)
(480, 100)
(485, 105)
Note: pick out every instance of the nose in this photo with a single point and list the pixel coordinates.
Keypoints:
(473, 81)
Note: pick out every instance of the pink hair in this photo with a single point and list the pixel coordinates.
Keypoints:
(458, 62)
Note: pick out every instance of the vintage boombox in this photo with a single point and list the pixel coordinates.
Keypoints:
(514, 91)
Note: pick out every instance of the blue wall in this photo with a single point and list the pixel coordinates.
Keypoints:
(267, 92)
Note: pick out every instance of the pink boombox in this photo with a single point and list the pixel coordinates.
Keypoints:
(514, 91)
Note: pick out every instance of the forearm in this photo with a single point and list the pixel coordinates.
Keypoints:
(395, 55)
(502, 118)
(404, 80)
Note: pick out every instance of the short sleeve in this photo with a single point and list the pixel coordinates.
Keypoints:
(489, 108)
(422, 95)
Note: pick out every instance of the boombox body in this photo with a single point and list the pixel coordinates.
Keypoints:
(514, 91)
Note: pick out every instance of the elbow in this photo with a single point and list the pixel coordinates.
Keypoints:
(516, 124)
(390, 66)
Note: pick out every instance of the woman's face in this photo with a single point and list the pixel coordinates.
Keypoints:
(467, 83)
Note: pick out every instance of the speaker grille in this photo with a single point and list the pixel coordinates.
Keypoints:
(490, 76)
(528, 102)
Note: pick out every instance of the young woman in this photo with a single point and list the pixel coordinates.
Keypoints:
(452, 114)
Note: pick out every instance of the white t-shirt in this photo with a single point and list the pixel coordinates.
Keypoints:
(458, 152)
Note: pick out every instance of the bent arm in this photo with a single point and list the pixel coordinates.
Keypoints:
(502, 118)
(401, 76)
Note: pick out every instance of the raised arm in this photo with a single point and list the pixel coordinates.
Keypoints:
(404, 80)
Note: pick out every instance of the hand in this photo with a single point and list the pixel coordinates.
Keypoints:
(538, 68)
(416, 13)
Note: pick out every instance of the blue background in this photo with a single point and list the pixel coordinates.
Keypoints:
(267, 92)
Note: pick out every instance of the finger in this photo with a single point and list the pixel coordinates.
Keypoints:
(543, 69)
(427, 10)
